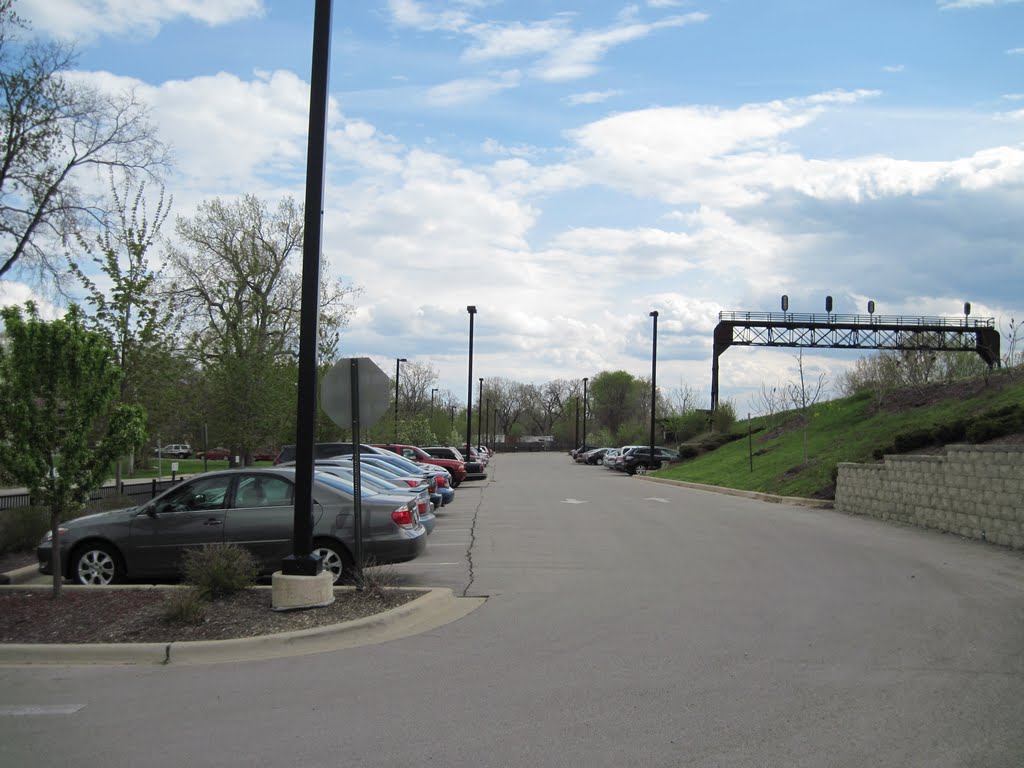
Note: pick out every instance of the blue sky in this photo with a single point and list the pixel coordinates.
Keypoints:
(569, 166)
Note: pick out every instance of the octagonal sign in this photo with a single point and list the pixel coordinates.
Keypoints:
(374, 392)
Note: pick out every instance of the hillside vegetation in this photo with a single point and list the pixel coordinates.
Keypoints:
(860, 428)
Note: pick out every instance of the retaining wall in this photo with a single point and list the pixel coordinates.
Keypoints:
(973, 490)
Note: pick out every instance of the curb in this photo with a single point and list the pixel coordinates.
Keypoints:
(798, 501)
(435, 608)
(20, 575)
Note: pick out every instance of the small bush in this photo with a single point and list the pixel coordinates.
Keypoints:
(913, 439)
(987, 429)
(375, 579)
(21, 528)
(219, 570)
(951, 432)
(688, 452)
(184, 606)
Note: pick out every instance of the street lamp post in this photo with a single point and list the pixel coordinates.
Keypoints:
(398, 368)
(479, 413)
(432, 393)
(585, 380)
(487, 422)
(469, 397)
(576, 439)
(654, 380)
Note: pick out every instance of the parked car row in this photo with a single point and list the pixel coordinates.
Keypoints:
(254, 507)
(631, 459)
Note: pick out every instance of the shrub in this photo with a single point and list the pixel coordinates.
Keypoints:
(951, 432)
(375, 579)
(724, 417)
(184, 606)
(21, 528)
(688, 452)
(913, 439)
(987, 429)
(219, 570)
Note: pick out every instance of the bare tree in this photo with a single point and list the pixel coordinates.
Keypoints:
(804, 395)
(417, 379)
(769, 403)
(54, 131)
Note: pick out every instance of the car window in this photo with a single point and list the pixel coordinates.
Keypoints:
(264, 491)
(204, 493)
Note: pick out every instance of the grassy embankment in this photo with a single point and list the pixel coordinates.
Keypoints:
(848, 429)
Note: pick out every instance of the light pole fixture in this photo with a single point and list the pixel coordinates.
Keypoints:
(654, 382)
(585, 380)
(432, 393)
(398, 369)
(469, 397)
(576, 439)
(479, 412)
(487, 421)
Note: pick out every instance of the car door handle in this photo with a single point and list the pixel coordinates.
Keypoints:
(213, 521)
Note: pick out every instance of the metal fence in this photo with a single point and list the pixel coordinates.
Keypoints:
(135, 493)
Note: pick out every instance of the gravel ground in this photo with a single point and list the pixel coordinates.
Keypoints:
(137, 616)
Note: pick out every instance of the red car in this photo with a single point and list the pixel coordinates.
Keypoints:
(214, 454)
(412, 453)
(267, 454)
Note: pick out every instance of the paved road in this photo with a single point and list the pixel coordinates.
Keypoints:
(628, 623)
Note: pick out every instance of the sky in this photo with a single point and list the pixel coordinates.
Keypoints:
(568, 166)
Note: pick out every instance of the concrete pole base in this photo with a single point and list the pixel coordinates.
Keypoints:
(290, 593)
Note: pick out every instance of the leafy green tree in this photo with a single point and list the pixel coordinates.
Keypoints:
(236, 279)
(128, 313)
(61, 425)
(614, 396)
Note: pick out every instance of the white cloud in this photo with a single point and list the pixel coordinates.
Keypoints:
(578, 57)
(92, 18)
(1015, 51)
(494, 41)
(1014, 96)
(16, 293)
(471, 89)
(893, 68)
(409, 13)
(961, 4)
(592, 97)
(740, 157)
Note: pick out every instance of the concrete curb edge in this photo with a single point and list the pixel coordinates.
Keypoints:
(433, 609)
(795, 500)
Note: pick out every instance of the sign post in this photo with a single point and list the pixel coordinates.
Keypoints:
(355, 393)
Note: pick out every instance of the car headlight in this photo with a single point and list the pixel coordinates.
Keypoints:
(49, 535)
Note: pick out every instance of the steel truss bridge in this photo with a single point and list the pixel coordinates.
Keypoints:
(898, 332)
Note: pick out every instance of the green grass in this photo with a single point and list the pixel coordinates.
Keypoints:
(849, 429)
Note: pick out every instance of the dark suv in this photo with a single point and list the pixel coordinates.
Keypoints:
(638, 460)
(323, 451)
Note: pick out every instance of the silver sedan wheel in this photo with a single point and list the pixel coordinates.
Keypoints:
(332, 561)
(95, 567)
(641, 469)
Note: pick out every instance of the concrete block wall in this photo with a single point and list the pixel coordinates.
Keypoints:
(973, 490)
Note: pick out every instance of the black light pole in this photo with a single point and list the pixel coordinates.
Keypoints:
(654, 382)
(432, 393)
(398, 369)
(302, 561)
(585, 380)
(479, 413)
(469, 397)
(576, 439)
(487, 421)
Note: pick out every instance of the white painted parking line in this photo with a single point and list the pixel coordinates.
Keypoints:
(573, 501)
(654, 498)
(23, 710)
(419, 564)
(446, 544)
